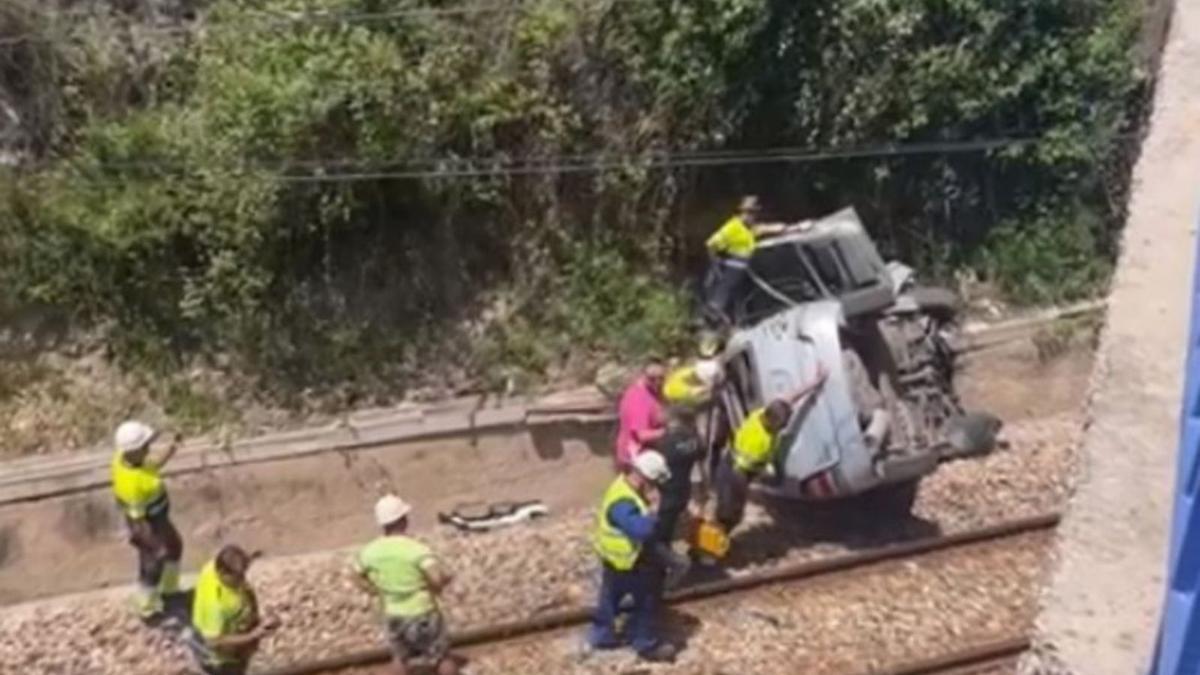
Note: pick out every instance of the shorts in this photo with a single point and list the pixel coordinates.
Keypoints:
(420, 637)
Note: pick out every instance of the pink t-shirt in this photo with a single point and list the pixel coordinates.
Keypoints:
(640, 410)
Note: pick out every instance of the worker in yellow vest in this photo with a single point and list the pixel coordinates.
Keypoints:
(141, 495)
(691, 385)
(753, 452)
(622, 537)
(226, 626)
(730, 249)
(408, 580)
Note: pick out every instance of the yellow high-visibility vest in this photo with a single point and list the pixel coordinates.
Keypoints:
(139, 490)
(683, 387)
(753, 444)
(219, 610)
(611, 544)
(734, 238)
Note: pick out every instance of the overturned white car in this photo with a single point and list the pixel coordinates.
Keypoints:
(888, 413)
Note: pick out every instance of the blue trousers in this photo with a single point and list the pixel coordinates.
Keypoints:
(724, 282)
(637, 584)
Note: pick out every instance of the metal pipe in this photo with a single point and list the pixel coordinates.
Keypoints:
(509, 630)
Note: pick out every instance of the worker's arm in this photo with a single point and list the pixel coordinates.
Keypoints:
(648, 435)
(212, 626)
(769, 229)
(435, 575)
(167, 454)
(624, 516)
(237, 641)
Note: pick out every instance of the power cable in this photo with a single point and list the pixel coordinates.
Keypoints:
(445, 163)
(453, 168)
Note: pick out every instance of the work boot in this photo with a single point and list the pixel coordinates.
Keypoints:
(663, 652)
(149, 604)
(168, 582)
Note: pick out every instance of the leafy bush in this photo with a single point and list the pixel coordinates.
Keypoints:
(199, 216)
(1049, 259)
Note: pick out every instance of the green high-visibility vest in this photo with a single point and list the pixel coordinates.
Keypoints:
(611, 544)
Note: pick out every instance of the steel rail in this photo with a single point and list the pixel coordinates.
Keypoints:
(509, 630)
(963, 661)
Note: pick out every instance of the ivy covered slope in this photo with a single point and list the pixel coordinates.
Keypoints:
(273, 191)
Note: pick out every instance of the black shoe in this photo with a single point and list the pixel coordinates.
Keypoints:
(663, 652)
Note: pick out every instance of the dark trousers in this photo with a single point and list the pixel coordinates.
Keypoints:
(152, 559)
(669, 513)
(639, 586)
(725, 279)
(733, 489)
(670, 566)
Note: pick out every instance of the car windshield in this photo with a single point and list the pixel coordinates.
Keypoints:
(788, 280)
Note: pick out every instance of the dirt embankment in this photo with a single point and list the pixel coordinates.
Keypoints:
(322, 501)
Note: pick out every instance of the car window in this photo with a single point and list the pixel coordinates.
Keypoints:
(782, 269)
(825, 261)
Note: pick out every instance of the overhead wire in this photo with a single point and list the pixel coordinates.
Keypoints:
(349, 170)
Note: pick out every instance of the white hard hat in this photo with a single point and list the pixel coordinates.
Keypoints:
(133, 435)
(708, 370)
(390, 508)
(652, 465)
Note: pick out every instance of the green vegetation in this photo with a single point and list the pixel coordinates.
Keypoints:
(188, 206)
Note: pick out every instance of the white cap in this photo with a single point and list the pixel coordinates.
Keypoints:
(133, 435)
(389, 509)
(652, 465)
(708, 370)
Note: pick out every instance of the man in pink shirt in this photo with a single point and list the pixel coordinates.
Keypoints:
(641, 421)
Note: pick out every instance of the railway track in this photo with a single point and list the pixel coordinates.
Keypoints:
(977, 658)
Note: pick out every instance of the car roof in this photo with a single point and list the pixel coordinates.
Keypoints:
(845, 221)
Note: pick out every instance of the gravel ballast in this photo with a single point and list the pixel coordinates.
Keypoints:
(519, 572)
(860, 622)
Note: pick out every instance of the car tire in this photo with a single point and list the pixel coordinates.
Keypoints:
(940, 303)
(973, 434)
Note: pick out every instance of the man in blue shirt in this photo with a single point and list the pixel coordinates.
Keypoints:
(623, 537)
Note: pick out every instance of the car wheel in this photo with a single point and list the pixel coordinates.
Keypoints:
(973, 434)
(940, 303)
